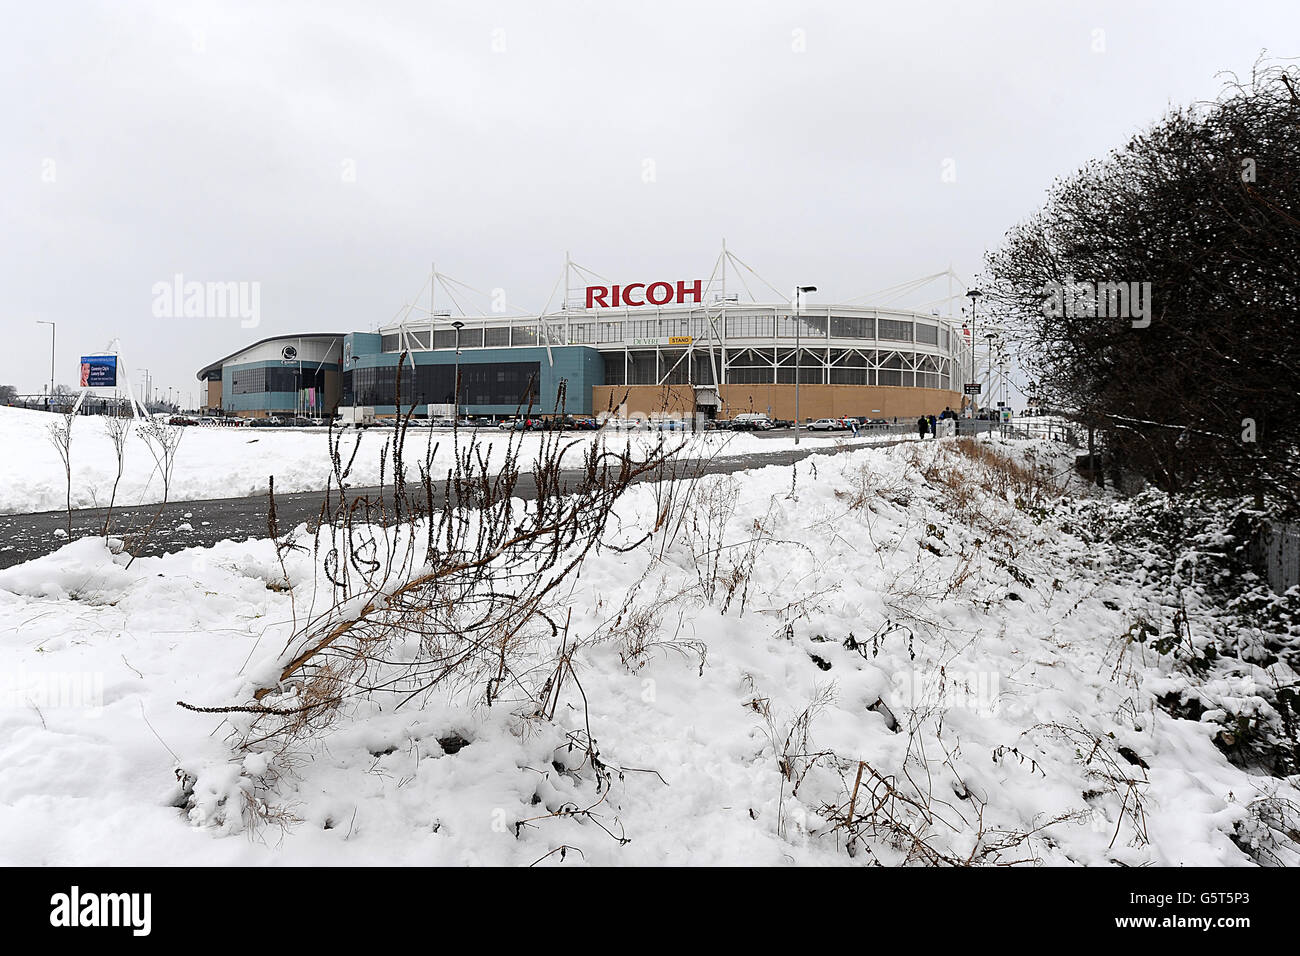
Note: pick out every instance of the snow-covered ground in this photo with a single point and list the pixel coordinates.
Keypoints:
(953, 656)
(226, 462)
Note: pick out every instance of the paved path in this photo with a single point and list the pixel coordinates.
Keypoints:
(187, 524)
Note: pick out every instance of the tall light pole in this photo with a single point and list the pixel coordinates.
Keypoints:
(49, 401)
(991, 336)
(799, 293)
(973, 294)
(455, 417)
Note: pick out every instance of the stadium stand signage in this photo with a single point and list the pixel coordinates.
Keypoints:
(636, 294)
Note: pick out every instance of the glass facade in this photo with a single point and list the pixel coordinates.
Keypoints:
(255, 380)
(498, 383)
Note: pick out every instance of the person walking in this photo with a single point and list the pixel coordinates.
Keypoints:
(922, 426)
(853, 423)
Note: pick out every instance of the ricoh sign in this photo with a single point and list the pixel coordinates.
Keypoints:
(637, 294)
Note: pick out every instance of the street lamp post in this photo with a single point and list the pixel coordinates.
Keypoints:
(799, 292)
(49, 401)
(455, 418)
(991, 336)
(973, 294)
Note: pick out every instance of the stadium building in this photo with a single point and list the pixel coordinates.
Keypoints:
(680, 346)
(281, 375)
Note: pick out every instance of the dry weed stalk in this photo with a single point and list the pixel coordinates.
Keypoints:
(1102, 763)
(447, 587)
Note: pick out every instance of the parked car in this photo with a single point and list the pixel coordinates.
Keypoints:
(749, 422)
(827, 425)
(181, 420)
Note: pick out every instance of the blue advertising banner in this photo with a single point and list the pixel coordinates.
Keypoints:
(98, 371)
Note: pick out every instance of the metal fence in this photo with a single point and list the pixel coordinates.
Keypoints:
(1281, 547)
(1051, 430)
(62, 404)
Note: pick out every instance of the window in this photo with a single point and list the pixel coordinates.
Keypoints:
(254, 381)
(809, 327)
(513, 383)
(498, 337)
(895, 331)
(614, 369)
(642, 328)
(750, 327)
(523, 335)
(495, 383)
(749, 367)
(702, 369)
(849, 358)
(674, 369)
(848, 328)
(927, 334)
(680, 325)
(851, 376)
(749, 376)
(641, 368)
(810, 367)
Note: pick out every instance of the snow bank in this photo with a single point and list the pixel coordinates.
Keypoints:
(973, 659)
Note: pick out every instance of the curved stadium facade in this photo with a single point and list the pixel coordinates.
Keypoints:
(721, 358)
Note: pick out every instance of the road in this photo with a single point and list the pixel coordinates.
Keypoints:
(188, 524)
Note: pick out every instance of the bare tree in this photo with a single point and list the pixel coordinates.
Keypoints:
(163, 440)
(1202, 389)
(61, 438)
(118, 429)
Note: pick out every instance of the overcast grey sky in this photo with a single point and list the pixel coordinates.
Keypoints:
(330, 151)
